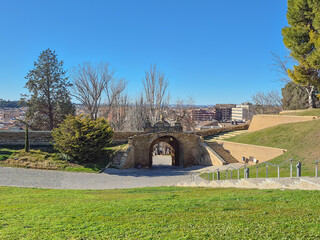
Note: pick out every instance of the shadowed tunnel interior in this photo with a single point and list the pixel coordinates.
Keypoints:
(174, 149)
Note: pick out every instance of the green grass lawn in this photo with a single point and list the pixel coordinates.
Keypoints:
(302, 140)
(159, 213)
(48, 158)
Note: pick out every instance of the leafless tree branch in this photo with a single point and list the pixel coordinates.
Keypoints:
(155, 85)
(89, 82)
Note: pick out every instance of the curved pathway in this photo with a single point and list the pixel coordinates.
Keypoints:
(160, 175)
(111, 179)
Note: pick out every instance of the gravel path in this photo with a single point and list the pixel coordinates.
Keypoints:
(160, 175)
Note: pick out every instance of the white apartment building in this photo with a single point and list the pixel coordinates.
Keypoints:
(242, 113)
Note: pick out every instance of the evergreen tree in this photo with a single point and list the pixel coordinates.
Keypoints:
(302, 37)
(83, 139)
(50, 100)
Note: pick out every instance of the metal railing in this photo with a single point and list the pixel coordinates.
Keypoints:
(316, 163)
(245, 169)
(216, 174)
(298, 168)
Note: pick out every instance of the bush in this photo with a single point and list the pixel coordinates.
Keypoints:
(81, 138)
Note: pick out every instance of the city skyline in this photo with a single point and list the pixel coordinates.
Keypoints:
(214, 52)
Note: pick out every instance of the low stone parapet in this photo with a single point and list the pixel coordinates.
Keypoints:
(215, 131)
(259, 122)
(261, 153)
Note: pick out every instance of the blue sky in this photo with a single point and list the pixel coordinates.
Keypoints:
(215, 51)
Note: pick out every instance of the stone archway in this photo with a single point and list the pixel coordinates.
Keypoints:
(175, 149)
(188, 148)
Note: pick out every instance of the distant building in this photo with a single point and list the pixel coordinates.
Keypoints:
(224, 112)
(9, 114)
(15, 128)
(207, 125)
(242, 113)
(201, 115)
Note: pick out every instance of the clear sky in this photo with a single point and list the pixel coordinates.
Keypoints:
(215, 51)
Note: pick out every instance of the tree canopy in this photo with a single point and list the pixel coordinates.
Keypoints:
(302, 38)
(48, 85)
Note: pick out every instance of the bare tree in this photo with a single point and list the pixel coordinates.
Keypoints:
(118, 110)
(267, 103)
(89, 83)
(116, 103)
(155, 85)
(137, 114)
(280, 66)
(183, 113)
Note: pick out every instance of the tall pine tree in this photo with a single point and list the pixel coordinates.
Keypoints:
(48, 85)
(302, 38)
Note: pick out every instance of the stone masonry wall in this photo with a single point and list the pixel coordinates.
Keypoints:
(44, 137)
(262, 154)
(189, 147)
(39, 138)
(264, 121)
(214, 131)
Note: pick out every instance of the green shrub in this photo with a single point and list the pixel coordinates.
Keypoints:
(81, 138)
(3, 157)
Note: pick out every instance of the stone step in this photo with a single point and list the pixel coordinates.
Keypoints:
(222, 152)
(118, 159)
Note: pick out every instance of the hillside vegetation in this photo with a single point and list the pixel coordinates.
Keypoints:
(302, 140)
(50, 159)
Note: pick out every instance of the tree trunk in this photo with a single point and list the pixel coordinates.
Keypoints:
(50, 117)
(310, 91)
(27, 143)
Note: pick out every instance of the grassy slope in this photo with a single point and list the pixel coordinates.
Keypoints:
(47, 158)
(302, 140)
(159, 213)
(308, 112)
(6, 153)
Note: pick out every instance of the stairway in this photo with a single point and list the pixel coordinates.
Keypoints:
(119, 159)
(224, 135)
(222, 152)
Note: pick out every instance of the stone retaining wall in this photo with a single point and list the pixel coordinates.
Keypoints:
(44, 137)
(264, 121)
(37, 138)
(214, 131)
(262, 154)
